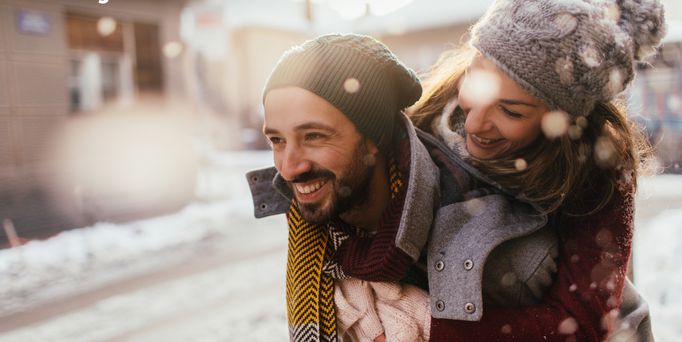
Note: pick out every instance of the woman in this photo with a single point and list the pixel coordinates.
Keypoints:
(552, 132)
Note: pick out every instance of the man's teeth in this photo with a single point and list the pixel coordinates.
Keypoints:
(306, 189)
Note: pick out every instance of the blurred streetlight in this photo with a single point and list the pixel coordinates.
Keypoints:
(106, 26)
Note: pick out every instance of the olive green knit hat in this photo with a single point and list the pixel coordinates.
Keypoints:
(357, 74)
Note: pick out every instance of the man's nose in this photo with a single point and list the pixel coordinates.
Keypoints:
(293, 163)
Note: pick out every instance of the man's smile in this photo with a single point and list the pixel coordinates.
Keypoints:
(309, 187)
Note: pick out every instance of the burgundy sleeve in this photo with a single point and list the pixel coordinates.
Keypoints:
(582, 303)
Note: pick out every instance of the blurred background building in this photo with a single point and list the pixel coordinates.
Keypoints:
(66, 66)
(106, 107)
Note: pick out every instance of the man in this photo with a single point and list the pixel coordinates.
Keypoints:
(343, 154)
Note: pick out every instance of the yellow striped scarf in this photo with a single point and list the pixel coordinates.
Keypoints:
(309, 290)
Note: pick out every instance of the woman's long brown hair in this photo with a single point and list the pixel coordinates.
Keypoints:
(577, 175)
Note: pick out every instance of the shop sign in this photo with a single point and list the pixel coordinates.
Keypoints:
(33, 22)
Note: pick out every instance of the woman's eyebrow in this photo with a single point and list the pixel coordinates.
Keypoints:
(517, 102)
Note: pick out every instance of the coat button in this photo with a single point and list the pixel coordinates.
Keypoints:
(439, 265)
(468, 264)
(440, 305)
(469, 308)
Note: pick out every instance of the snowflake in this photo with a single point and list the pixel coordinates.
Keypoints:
(590, 56)
(564, 68)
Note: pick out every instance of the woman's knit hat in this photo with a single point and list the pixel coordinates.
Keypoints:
(570, 53)
(357, 74)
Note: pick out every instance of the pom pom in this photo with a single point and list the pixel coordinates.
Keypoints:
(644, 21)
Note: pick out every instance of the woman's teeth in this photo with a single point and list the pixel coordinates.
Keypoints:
(484, 140)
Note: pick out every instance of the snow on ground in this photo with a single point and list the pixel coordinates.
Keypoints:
(241, 297)
(658, 267)
(83, 259)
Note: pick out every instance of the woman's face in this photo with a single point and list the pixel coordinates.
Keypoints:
(501, 116)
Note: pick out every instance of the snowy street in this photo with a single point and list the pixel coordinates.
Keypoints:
(211, 272)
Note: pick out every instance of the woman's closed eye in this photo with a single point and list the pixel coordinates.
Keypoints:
(511, 114)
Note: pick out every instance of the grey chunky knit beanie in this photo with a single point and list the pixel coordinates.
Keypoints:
(570, 53)
(357, 74)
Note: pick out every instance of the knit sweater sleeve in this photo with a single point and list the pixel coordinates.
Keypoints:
(377, 258)
(582, 303)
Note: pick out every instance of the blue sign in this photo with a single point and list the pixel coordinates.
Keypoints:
(33, 22)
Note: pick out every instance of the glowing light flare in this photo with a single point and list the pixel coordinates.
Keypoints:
(172, 49)
(604, 152)
(474, 206)
(615, 84)
(554, 124)
(575, 132)
(565, 23)
(581, 122)
(506, 329)
(147, 157)
(612, 13)
(520, 164)
(103, 2)
(674, 103)
(369, 160)
(480, 88)
(351, 85)
(106, 26)
(568, 326)
(590, 56)
(508, 279)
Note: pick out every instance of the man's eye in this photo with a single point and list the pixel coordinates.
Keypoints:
(275, 140)
(313, 136)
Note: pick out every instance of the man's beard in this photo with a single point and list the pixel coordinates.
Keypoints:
(349, 191)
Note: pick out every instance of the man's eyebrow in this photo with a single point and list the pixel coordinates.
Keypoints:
(517, 102)
(314, 125)
(303, 126)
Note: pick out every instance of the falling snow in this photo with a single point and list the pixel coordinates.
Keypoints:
(480, 88)
(565, 23)
(568, 326)
(554, 124)
(520, 164)
(260, 315)
(615, 84)
(603, 152)
(564, 68)
(590, 56)
(474, 206)
(575, 132)
(351, 85)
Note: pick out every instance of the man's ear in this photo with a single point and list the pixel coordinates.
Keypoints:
(372, 147)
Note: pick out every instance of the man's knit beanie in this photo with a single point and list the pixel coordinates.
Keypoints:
(570, 53)
(357, 74)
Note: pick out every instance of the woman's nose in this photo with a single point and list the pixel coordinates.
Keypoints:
(477, 120)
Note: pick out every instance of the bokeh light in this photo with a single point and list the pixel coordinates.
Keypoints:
(106, 26)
